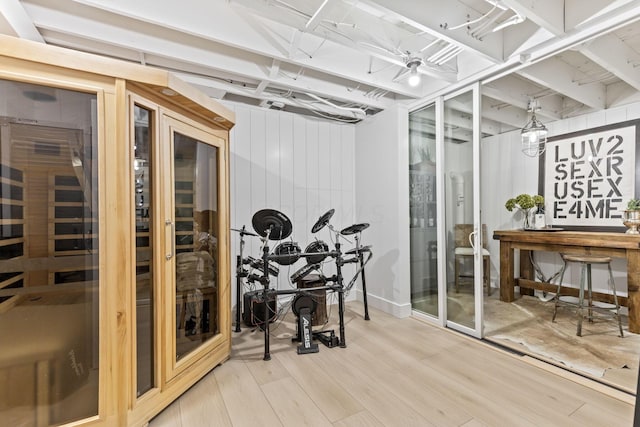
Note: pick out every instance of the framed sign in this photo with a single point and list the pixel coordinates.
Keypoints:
(587, 177)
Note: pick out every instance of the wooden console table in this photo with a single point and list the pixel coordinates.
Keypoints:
(617, 245)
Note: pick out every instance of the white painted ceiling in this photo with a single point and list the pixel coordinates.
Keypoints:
(348, 59)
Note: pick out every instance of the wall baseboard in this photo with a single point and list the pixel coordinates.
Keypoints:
(390, 307)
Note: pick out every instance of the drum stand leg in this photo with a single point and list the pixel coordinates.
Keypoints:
(364, 289)
(339, 282)
(364, 280)
(267, 318)
(265, 283)
(240, 273)
(343, 341)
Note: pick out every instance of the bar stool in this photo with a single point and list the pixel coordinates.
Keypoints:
(585, 278)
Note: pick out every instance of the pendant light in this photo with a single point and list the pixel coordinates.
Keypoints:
(414, 77)
(534, 133)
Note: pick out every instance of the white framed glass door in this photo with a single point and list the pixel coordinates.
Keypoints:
(462, 285)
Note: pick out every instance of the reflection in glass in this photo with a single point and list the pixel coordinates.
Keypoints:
(458, 152)
(144, 259)
(48, 255)
(422, 211)
(196, 242)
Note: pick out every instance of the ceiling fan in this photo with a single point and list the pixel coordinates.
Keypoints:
(430, 59)
(412, 63)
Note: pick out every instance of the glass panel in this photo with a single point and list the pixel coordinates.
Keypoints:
(458, 154)
(196, 242)
(422, 209)
(144, 258)
(49, 255)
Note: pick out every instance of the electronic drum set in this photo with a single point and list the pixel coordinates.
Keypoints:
(270, 224)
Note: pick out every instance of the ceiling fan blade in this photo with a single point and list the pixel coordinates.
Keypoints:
(400, 74)
(374, 46)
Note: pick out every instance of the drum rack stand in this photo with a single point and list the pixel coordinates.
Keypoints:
(274, 225)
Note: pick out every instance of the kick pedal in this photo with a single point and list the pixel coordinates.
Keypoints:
(305, 334)
(327, 338)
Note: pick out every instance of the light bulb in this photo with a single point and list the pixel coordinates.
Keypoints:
(414, 78)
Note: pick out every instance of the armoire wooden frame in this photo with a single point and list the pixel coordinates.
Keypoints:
(118, 86)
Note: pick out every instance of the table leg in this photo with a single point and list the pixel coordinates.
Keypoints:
(526, 270)
(507, 281)
(633, 287)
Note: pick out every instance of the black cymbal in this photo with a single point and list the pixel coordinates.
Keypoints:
(272, 222)
(355, 228)
(356, 250)
(322, 221)
(244, 232)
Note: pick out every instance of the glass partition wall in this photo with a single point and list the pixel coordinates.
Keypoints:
(423, 210)
(451, 272)
(461, 211)
(445, 246)
(49, 254)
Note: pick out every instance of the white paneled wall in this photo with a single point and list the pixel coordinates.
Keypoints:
(382, 183)
(299, 166)
(507, 172)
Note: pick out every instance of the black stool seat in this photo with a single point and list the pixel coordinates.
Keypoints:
(585, 280)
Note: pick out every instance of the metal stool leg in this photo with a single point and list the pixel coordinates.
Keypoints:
(581, 299)
(557, 297)
(590, 296)
(615, 299)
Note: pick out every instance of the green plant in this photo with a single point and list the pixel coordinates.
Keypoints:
(633, 205)
(524, 202)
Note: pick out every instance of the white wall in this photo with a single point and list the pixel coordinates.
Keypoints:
(382, 183)
(297, 165)
(507, 172)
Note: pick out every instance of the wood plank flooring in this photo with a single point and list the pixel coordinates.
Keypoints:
(394, 372)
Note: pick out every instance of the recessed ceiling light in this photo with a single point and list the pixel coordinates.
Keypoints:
(169, 92)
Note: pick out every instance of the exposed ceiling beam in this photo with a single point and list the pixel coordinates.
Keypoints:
(521, 37)
(614, 55)
(17, 17)
(207, 85)
(578, 12)
(230, 32)
(560, 77)
(449, 14)
(517, 92)
(206, 55)
(319, 15)
(548, 14)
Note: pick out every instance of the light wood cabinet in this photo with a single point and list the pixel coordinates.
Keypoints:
(114, 260)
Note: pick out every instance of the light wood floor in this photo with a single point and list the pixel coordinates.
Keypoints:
(394, 372)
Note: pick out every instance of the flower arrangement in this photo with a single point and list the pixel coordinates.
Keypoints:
(524, 203)
(631, 216)
(633, 205)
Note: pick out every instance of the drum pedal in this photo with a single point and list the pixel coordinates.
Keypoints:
(305, 334)
(327, 338)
